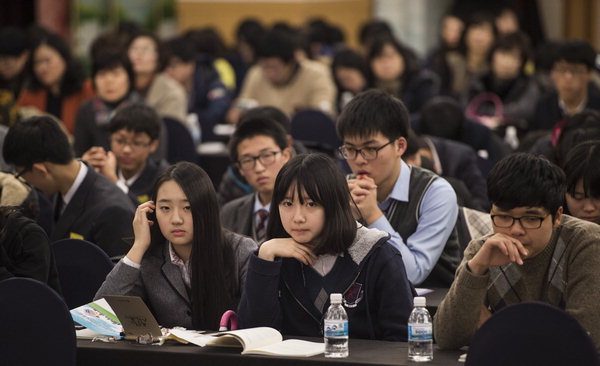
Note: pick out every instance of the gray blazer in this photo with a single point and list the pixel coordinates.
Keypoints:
(159, 283)
(238, 215)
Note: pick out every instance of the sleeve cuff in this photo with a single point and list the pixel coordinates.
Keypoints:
(131, 263)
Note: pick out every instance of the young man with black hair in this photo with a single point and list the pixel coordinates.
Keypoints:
(208, 97)
(572, 72)
(284, 82)
(134, 136)
(86, 205)
(417, 207)
(259, 147)
(535, 254)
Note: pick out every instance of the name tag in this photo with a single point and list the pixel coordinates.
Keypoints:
(73, 235)
(143, 198)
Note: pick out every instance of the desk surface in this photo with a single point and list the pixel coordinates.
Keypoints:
(362, 352)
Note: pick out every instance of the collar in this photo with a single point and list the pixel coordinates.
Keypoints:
(400, 190)
(579, 108)
(76, 183)
(258, 206)
(127, 182)
(437, 164)
(175, 259)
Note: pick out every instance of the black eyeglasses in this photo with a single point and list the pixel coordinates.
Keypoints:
(368, 153)
(528, 222)
(266, 158)
(20, 174)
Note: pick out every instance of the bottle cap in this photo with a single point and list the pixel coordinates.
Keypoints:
(420, 301)
(335, 298)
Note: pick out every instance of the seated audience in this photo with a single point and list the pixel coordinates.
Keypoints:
(56, 82)
(207, 96)
(451, 28)
(86, 205)
(350, 73)
(114, 81)
(536, 253)
(134, 136)
(573, 67)
(14, 54)
(395, 69)
(414, 205)
(281, 81)
(315, 248)
(248, 36)
(25, 250)
(259, 148)
(583, 181)
(182, 263)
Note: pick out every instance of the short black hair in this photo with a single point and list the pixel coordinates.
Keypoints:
(268, 112)
(36, 140)
(207, 41)
(411, 64)
(182, 48)
(582, 163)
(372, 30)
(279, 44)
(138, 118)
(580, 127)
(257, 127)
(513, 41)
(323, 182)
(161, 62)
(442, 117)
(250, 31)
(526, 180)
(371, 112)
(13, 42)
(576, 51)
(351, 59)
(111, 59)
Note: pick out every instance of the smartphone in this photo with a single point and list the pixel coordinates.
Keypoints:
(350, 176)
(151, 216)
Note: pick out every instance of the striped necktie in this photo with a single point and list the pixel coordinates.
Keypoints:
(261, 225)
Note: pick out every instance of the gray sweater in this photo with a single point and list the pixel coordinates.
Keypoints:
(160, 284)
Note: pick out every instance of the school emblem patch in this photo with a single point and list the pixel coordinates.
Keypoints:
(353, 296)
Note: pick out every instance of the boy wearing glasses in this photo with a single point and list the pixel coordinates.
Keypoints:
(86, 204)
(259, 147)
(134, 136)
(417, 207)
(571, 74)
(535, 254)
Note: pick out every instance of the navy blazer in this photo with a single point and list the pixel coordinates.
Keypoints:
(98, 212)
(140, 190)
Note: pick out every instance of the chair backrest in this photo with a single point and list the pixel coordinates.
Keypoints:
(82, 267)
(180, 145)
(531, 333)
(36, 327)
(316, 131)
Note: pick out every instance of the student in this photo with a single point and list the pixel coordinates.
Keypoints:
(415, 206)
(134, 136)
(315, 249)
(14, 54)
(535, 254)
(25, 250)
(583, 181)
(572, 71)
(182, 263)
(86, 205)
(259, 147)
(282, 81)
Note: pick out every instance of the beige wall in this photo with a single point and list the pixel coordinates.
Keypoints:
(226, 14)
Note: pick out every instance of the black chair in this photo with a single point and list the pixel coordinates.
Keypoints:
(36, 326)
(532, 333)
(180, 146)
(316, 131)
(82, 267)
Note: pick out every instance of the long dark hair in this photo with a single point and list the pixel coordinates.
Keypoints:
(411, 65)
(318, 176)
(73, 78)
(213, 285)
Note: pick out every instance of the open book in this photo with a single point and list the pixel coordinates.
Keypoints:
(257, 341)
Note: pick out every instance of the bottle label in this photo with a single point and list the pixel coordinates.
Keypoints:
(336, 328)
(420, 332)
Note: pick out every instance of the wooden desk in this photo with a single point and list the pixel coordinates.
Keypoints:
(362, 352)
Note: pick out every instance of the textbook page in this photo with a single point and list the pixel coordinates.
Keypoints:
(249, 338)
(289, 347)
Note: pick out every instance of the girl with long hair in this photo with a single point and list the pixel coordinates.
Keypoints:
(185, 267)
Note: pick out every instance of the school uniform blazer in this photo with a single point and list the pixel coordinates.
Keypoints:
(140, 190)
(98, 212)
(238, 215)
(159, 282)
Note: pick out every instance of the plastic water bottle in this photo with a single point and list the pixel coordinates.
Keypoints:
(336, 329)
(420, 333)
